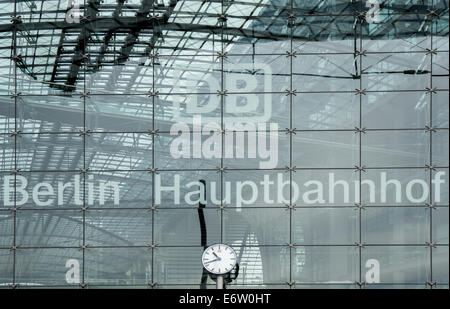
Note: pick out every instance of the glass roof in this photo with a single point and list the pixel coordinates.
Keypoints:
(124, 33)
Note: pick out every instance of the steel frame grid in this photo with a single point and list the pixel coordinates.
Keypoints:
(291, 283)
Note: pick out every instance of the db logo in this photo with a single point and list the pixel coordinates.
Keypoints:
(246, 96)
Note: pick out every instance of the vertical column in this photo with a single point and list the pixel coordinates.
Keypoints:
(153, 55)
(359, 56)
(291, 27)
(83, 30)
(431, 197)
(223, 23)
(15, 20)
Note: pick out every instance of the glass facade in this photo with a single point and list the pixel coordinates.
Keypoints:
(310, 135)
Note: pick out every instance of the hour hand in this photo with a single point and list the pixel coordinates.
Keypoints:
(218, 258)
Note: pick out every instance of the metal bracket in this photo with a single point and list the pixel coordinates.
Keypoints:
(222, 18)
(221, 169)
(360, 168)
(432, 13)
(15, 133)
(153, 132)
(291, 54)
(291, 168)
(430, 128)
(222, 55)
(430, 206)
(153, 170)
(430, 284)
(291, 92)
(291, 131)
(85, 132)
(16, 19)
(15, 171)
(360, 130)
(290, 207)
(430, 244)
(431, 90)
(153, 93)
(360, 206)
(361, 91)
(430, 167)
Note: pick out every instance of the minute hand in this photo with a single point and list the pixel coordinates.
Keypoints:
(212, 261)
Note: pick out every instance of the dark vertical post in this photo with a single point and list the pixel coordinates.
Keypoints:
(203, 233)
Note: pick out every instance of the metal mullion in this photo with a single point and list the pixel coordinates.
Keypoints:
(13, 53)
(291, 163)
(85, 39)
(360, 37)
(222, 125)
(430, 183)
(153, 209)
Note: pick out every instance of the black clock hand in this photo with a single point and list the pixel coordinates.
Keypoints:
(212, 261)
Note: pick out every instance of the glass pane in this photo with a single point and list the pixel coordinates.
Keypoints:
(248, 226)
(118, 266)
(396, 225)
(130, 227)
(395, 148)
(181, 227)
(47, 267)
(325, 226)
(325, 265)
(399, 264)
(43, 228)
(6, 262)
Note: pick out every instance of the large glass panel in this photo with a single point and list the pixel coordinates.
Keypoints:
(6, 229)
(48, 267)
(7, 264)
(331, 265)
(325, 226)
(248, 226)
(325, 149)
(309, 135)
(395, 148)
(44, 228)
(118, 266)
(181, 227)
(400, 264)
(395, 225)
(440, 265)
(118, 227)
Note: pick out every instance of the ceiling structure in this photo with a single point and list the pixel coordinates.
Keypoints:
(108, 33)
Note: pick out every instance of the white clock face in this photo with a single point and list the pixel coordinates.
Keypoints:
(219, 259)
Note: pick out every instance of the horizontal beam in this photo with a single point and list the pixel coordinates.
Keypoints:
(124, 24)
(73, 116)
